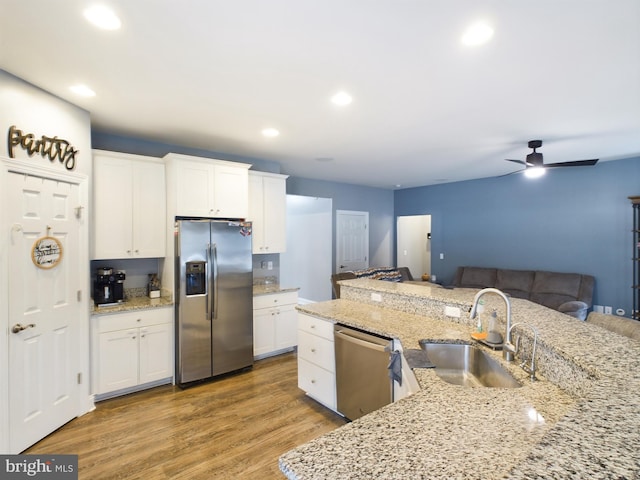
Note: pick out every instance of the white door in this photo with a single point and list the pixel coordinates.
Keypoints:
(352, 240)
(44, 310)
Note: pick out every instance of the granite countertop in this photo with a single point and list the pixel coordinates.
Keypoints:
(579, 420)
(133, 303)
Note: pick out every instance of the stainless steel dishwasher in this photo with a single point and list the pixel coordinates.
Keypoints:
(362, 375)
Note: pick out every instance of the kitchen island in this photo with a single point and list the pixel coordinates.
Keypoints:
(580, 420)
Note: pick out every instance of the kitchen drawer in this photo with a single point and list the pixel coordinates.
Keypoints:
(133, 319)
(315, 326)
(317, 382)
(275, 299)
(316, 350)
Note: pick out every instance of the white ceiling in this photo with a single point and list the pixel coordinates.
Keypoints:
(212, 74)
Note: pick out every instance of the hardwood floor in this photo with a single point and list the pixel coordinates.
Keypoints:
(234, 427)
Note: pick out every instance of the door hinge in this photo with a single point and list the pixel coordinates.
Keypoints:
(79, 295)
(79, 378)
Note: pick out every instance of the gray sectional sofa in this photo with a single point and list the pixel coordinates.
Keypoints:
(570, 293)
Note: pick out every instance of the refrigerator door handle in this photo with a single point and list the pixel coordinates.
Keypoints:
(207, 303)
(214, 297)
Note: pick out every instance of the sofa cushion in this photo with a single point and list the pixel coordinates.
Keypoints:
(552, 289)
(477, 277)
(516, 283)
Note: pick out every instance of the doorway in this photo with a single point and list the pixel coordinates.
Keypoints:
(413, 240)
(307, 262)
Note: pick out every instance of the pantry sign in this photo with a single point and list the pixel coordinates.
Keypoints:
(51, 148)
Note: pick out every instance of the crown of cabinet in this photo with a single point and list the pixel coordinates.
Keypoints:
(206, 187)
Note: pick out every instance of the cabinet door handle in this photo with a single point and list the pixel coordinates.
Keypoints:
(313, 350)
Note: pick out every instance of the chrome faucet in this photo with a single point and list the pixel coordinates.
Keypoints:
(508, 348)
(531, 368)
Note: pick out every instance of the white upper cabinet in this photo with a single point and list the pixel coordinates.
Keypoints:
(204, 187)
(129, 203)
(268, 211)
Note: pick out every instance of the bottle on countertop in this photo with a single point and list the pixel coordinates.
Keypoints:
(493, 335)
(493, 321)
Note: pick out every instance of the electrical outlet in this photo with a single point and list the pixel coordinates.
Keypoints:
(598, 309)
(269, 265)
(442, 256)
(452, 312)
(608, 310)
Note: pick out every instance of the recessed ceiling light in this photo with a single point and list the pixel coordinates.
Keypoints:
(270, 132)
(477, 34)
(82, 90)
(102, 17)
(341, 99)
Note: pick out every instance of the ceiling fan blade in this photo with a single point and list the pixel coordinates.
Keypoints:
(511, 173)
(576, 163)
(516, 161)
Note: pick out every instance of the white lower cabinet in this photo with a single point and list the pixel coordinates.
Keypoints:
(131, 351)
(316, 359)
(274, 323)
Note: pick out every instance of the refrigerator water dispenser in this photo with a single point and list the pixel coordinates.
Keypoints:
(196, 278)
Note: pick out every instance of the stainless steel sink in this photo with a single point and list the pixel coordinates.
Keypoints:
(467, 365)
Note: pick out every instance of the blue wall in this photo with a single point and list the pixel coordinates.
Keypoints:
(377, 201)
(571, 220)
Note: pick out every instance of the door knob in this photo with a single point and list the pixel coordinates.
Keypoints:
(17, 328)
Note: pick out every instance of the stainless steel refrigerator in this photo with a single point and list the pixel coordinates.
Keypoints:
(214, 298)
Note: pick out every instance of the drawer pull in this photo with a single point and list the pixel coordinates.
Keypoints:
(313, 381)
(313, 350)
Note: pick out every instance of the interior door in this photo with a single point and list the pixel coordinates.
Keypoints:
(352, 240)
(44, 309)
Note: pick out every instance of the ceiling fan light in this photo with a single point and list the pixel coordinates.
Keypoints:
(534, 172)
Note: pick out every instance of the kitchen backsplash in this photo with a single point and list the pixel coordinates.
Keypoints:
(262, 274)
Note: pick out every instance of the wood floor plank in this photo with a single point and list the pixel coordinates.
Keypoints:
(233, 427)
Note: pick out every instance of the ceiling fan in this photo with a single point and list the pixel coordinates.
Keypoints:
(535, 166)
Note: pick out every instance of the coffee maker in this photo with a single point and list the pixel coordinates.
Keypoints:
(108, 287)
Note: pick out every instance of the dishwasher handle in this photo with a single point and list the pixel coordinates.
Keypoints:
(345, 335)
